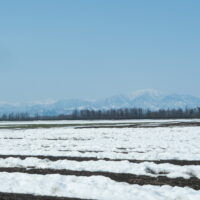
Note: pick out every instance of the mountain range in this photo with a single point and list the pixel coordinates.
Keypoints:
(147, 99)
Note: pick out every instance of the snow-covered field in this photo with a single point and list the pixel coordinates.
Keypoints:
(102, 163)
(2, 123)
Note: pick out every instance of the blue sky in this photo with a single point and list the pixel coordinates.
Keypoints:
(94, 49)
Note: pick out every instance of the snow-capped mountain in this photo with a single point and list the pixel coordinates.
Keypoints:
(147, 99)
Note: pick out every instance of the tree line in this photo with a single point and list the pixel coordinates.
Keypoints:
(125, 113)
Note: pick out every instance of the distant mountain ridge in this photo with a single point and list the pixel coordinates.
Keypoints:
(147, 99)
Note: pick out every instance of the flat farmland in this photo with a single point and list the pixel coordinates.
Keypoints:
(127, 159)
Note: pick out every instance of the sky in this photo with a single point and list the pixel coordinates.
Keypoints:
(92, 49)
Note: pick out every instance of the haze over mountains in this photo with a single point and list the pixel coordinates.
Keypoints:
(147, 99)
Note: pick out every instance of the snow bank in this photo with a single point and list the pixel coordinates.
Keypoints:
(170, 170)
(95, 187)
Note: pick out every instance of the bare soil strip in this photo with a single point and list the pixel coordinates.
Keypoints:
(12, 138)
(103, 125)
(142, 125)
(193, 182)
(15, 196)
(80, 159)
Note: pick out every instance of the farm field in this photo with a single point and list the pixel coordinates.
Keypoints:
(126, 159)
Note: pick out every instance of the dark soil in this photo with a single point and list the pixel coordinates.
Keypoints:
(77, 139)
(12, 138)
(143, 125)
(13, 196)
(55, 158)
(105, 125)
(193, 182)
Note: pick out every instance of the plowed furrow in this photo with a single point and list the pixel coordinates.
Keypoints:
(118, 177)
(15, 196)
(55, 158)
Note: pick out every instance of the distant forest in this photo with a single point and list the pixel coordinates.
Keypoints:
(112, 114)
